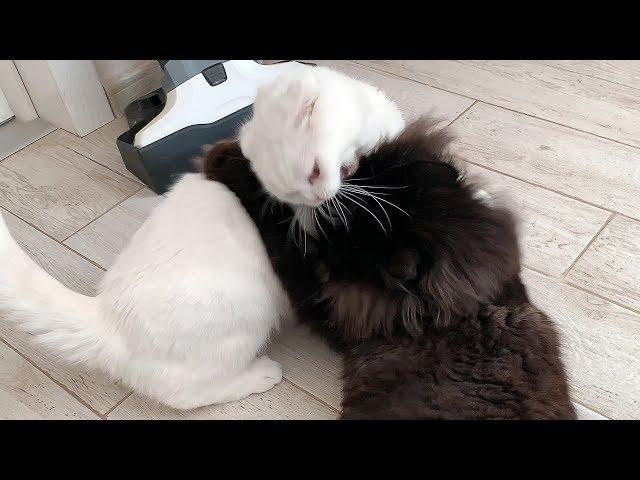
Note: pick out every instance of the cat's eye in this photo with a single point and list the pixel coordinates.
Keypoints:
(315, 173)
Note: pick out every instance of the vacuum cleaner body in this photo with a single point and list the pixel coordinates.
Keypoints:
(201, 102)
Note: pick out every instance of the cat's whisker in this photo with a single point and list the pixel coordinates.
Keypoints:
(320, 226)
(324, 213)
(268, 203)
(286, 220)
(336, 205)
(302, 302)
(375, 195)
(342, 208)
(326, 202)
(375, 199)
(393, 205)
(350, 196)
(381, 187)
(305, 242)
(358, 188)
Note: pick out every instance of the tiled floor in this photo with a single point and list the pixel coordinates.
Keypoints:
(561, 140)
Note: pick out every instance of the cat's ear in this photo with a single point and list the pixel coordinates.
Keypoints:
(304, 100)
(218, 156)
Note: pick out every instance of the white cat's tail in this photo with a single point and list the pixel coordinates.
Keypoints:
(63, 321)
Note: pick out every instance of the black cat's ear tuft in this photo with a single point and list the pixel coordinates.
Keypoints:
(218, 155)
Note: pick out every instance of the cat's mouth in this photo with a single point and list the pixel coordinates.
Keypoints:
(347, 171)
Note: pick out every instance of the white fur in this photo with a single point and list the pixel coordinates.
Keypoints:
(314, 115)
(181, 315)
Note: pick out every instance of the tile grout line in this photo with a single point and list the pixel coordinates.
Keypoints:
(397, 75)
(602, 297)
(535, 269)
(103, 214)
(48, 375)
(108, 412)
(575, 129)
(593, 239)
(54, 239)
(542, 62)
(582, 289)
(476, 101)
(549, 189)
(26, 146)
(310, 394)
(503, 107)
(591, 409)
(136, 180)
(462, 113)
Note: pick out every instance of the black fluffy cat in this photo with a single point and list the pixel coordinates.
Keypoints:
(425, 303)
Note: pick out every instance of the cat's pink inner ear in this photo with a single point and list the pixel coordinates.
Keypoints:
(304, 112)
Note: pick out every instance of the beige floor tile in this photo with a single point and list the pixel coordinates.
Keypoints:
(589, 104)
(576, 164)
(611, 265)
(553, 229)
(584, 413)
(600, 346)
(309, 363)
(58, 190)
(625, 72)
(99, 145)
(27, 394)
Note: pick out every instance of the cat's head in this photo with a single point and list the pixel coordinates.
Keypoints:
(306, 133)
(413, 242)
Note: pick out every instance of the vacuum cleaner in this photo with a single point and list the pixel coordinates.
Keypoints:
(200, 102)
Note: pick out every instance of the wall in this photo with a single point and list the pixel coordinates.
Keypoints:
(15, 92)
(66, 93)
(127, 80)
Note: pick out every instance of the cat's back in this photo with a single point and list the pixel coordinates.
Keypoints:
(199, 238)
(504, 364)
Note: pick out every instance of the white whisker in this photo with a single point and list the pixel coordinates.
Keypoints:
(320, 226)
(350, 196)
(375, 199)
(375, 195)
(342, 208)
(336, 205)
(382, 187)
(394, 206)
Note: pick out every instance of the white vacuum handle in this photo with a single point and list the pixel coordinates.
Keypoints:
(196, 102)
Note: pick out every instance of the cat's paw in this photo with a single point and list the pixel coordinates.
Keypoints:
(267, 374)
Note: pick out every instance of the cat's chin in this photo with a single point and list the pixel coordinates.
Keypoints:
(300, 201)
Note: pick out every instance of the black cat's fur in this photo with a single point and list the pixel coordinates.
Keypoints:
(426, 304)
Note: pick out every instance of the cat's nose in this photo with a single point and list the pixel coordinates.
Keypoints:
(315, 174)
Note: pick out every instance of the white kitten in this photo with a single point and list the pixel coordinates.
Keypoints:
(308, 128)
(182, 313)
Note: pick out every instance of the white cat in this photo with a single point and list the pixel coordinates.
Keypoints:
(308, 129)
(182, 314)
